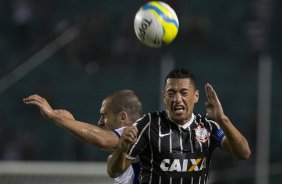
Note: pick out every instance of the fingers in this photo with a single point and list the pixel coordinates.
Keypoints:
(207, 104)
(213, 105)
(38, 101)
(211, 94)
(208, 91)
(33, 99)
(130, 133)
(128, 137)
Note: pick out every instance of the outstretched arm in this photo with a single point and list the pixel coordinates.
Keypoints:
(89, 133)
(117, 161)
(234, 142)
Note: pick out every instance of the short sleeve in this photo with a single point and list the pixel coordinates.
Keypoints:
(217, 133)
(118, 131)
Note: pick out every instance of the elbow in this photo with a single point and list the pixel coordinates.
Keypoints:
(112, 174)
(245, 154)
(110, 169)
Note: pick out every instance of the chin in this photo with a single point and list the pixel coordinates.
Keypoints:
(179, 119)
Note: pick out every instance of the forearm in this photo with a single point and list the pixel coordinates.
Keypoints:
(117, 163)
(88, 133)
(235, 142)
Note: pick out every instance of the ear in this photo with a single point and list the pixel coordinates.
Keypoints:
(123, 119)
(196, 96)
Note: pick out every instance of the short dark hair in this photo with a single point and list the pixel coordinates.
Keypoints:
(181, 73)
(128, 101)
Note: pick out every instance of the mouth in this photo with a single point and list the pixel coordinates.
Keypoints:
(178, 109)
(102, 127)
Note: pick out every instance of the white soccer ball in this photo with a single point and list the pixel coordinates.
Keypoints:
(156, 24)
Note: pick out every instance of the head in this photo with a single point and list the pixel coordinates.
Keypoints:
(180, 94)
(120, 109)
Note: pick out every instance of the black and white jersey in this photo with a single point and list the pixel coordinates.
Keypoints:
(172, 154)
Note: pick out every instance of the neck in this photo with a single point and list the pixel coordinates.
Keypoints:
(179, 122)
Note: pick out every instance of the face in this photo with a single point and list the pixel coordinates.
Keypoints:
(108, 120)
(180, 97)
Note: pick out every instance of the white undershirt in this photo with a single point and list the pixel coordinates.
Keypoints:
(187, 124)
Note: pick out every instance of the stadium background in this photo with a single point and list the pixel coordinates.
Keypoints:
(221, 41)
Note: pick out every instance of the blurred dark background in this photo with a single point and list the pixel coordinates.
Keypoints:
(220, 41)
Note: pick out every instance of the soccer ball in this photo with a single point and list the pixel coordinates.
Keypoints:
(156, 24)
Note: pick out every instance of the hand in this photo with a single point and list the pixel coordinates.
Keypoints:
(213, 105)
(43, 105)
(46, 110)
(128, 137)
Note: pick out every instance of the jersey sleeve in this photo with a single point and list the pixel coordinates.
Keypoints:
(142, 138)
(217, 133)
(118, 131)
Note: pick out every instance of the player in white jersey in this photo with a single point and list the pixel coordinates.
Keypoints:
(118, 110)
(129, 176)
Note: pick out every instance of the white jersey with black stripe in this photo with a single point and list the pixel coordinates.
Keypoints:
(128, 177)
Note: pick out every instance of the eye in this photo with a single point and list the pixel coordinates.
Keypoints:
(170, 93)
(185, 93)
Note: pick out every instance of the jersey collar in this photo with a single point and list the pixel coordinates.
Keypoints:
(187, 124)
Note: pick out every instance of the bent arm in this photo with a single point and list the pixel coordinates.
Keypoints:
(234, 142)
(118, 162)
(87, 132)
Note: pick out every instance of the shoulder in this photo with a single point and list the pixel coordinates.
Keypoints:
(158, 115)
(208, 123)
(152, 116)
(149, 120)
(213, 123)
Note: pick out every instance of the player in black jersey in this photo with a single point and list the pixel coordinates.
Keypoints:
(175, 146)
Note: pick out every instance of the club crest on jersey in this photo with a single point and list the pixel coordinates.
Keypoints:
(202, 134)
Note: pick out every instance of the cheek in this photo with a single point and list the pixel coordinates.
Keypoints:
(189, 100)
(113, 122)
(105, 120)
(167, 101)
(108, 122)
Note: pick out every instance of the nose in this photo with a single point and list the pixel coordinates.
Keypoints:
(177, 98)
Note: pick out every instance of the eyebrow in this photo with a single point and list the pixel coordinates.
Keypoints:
(182, 89)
